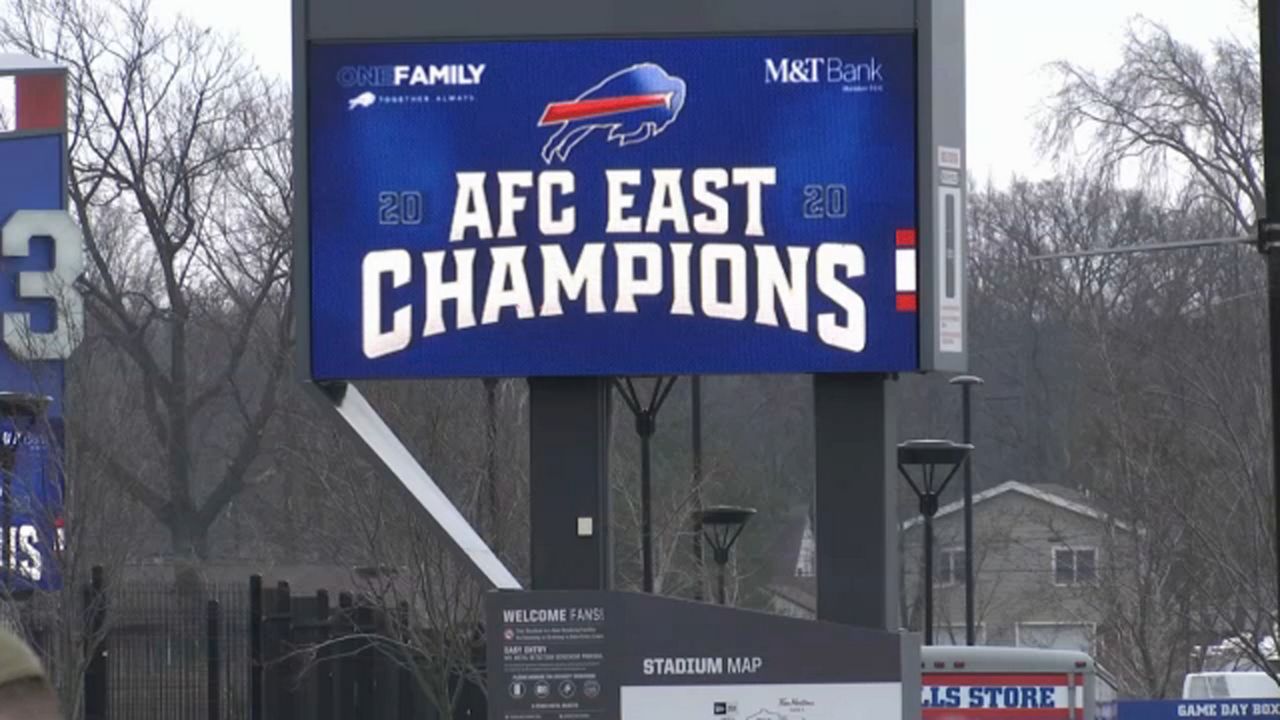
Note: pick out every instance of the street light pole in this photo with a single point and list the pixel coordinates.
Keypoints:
(695, 399)
(928, 571)
(929, 455)
(646, 415)
(1269, 230)
(966, 383)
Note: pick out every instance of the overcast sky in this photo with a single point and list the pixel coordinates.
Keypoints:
(1009, 43)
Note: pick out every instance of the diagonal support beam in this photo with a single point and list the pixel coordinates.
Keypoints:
(390, 455)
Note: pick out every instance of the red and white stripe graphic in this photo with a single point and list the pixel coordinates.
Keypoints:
(569, 110)
(905, 268)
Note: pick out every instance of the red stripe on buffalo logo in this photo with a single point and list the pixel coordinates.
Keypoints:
(599, 107)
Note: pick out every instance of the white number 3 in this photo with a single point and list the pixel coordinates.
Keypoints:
(57, 285)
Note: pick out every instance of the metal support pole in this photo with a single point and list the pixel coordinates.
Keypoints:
(966, 383)
(569, 484)
(256, 666)
(1269, 28)
(384, 450)
(695, 399)
(720, 586)
(646, 416)
(856, 500)
(646, 496)
(970, 606)
(968, 524)
(213, 661)
(928, 579)
(95, 674)
(1273, 305)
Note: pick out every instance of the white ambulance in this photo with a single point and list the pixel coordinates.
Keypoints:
(995, 683)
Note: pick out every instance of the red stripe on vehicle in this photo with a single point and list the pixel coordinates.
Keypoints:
(905, 237)
(966, 679)
(1009, 713)
(907, 302)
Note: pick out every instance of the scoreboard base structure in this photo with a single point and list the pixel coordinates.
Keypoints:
(628, 656)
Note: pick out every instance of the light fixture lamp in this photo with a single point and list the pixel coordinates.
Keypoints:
(721, 526)
(930, 456)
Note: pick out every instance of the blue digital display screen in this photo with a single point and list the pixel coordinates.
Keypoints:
(613, 207)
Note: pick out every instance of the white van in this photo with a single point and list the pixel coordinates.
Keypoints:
(1225, 685)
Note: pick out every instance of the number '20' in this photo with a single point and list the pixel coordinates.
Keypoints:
(826, 201)
(399, 208)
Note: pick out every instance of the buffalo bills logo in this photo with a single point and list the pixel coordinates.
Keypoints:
(631, 106)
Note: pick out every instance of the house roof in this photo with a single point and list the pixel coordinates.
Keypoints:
(1055, 495)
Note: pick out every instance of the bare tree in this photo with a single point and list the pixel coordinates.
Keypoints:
(433, 607)
(1137, 377)
(1150, 598)
(180, 181)
(1173, 110)
(1196, 120)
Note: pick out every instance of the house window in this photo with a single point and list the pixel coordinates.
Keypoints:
(950, 567)
(1075, 566)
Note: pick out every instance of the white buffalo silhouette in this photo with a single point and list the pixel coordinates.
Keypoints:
(364, 99)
